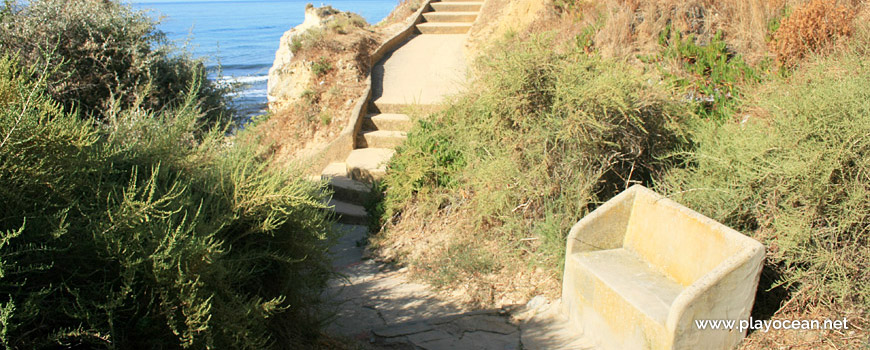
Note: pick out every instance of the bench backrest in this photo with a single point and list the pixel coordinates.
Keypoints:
(677, 241)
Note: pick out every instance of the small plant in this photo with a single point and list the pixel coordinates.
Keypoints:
(344, 22)
(570, 6)
(321, 66)
(325, 118)
(309, 96)
(710, 74)
(295, 44)
(585, 40)
(306, 40)
(811, 28)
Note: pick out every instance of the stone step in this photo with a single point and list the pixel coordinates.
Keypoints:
(368, 164)
(348, 213)
(466, 17)
(343, 187)
(380, 139)
(349, 190)
(386, 107)
(387, 121)
(444, 28)
(334, 170)
(457, 6)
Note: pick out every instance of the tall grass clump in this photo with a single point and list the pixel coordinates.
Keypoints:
(794, 173)
(145, 232)
(540, 139)
(109, 55)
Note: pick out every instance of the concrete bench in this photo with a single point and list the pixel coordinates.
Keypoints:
(641, 269)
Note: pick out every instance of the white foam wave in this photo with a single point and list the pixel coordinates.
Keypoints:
(247, 79)
(252, 93)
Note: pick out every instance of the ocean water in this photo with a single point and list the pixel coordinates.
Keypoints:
(239, 37)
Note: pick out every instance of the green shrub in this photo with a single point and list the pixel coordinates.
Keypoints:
(428, 160)
(109, 56)
(344, 22)
(710, 74)
(540, 139)
(306, 40)
(795, 174)
(321, 66)
(141, 232)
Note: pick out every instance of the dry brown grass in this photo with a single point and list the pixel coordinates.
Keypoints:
(399, 14)
(431, 242)
(633, 26)
(812, 28)
(856, 337)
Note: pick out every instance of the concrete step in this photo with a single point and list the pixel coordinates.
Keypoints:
(388, 107)
(348, 213)
(349, 190)
(457, 6)
(464, 17)
(380, 139)
(343, 187)
(444, 28)
(334, 170)
(368, 164)
(387, 121)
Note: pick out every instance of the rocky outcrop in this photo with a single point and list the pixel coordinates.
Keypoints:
(288, 79)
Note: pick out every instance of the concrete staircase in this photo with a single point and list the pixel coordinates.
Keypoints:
(450, 17)
(400, 81)
(351, 181)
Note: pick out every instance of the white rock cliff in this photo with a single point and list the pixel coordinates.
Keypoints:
(289, 78)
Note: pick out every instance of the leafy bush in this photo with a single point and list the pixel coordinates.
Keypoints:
(795, 176)
(541, 138)
(110, 56)
(428, 160)
(811, 28)
(142, 232)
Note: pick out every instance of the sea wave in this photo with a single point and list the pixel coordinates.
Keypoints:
(246, 79)
(245, 66)
(251, 93)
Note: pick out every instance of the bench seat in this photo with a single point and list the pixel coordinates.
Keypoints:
(638, 283)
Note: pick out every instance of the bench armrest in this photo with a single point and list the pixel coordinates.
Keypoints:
(604, 228)
(723, 293)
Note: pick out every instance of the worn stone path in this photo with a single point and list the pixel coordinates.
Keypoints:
(377, 304)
